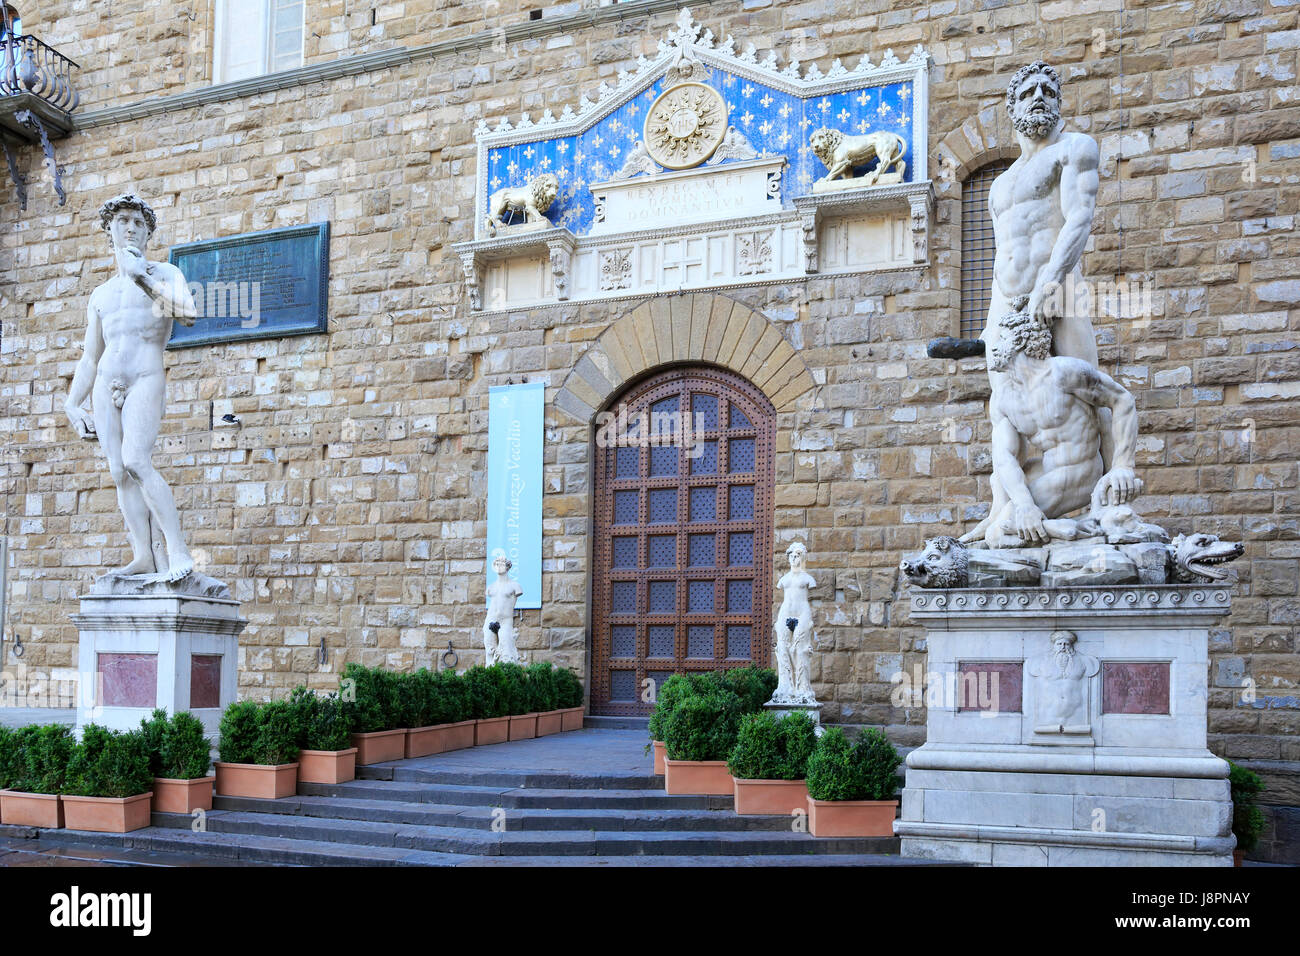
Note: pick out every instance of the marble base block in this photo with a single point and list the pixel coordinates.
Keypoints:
(1067, 727)
(165, 646)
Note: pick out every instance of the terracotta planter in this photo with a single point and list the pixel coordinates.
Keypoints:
(107, 814)
(523, 726)
(697, 777)
(31, 809)
(851, 818)
(267, 781)
(661, 753)
(550, 722)
(380, 746)
(439, 738)
(572, 717)
(327, 766)
(771, 797)
(491, 730)
(182, 796)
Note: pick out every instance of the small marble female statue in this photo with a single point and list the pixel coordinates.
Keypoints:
(499, 628)
(794, 632)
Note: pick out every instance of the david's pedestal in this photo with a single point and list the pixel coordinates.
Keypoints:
(1067, 726)
(147, 644)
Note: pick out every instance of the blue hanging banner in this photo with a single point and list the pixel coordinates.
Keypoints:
(514, 502)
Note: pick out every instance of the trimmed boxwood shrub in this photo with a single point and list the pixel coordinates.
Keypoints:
(8, 758)
(1247, 819)
(703, 726)
(177, 746)
(238, 732)
(186, 753)
(485, 693)
(373, 700)
(327, 727)
(514, 688)
(768, 748)
(153, 730)
(540, 680)
(259, 733)
(449, 701)
(277, 733)
(865, 770)
(568, 688)
(753, 685)
(41, 758)
(676, 689)
(108, 763)
(415, 695)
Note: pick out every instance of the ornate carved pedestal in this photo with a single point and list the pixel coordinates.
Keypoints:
(1066, 726)
(147, 645)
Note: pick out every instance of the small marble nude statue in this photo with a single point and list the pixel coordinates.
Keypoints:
(128, 322)
(794, 632)
(499, 628)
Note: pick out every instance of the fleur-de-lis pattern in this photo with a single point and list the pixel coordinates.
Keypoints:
(779, 125)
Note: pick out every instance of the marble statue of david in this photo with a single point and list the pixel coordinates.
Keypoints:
(128, 323)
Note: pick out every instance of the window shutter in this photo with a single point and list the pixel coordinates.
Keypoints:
(241, 39)
(286, 35)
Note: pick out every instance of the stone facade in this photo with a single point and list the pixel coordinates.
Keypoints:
(349, 505)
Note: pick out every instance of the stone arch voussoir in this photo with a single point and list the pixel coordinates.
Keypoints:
(983, 138)
(691, 327)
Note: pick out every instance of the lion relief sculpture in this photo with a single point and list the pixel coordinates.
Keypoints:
(532, 200)
(841, 153)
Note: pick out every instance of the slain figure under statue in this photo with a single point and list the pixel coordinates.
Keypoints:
(129, 321)
(1049, 404)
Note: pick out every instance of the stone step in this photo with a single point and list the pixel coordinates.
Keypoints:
(223, 848)
(464, 840)
(615, 723)
(483, 817)
(416, 771)
(229, 849)
(517, 798)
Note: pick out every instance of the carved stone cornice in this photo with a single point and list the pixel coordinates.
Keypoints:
(1166, 605)
(162, 621)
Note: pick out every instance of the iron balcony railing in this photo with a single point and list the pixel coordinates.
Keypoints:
(29, 66)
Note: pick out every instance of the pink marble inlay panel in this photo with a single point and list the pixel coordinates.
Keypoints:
(129, 680)
(1128, 687)
(205, 680)
(993, 686)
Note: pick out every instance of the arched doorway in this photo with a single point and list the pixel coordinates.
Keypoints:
(682, 572)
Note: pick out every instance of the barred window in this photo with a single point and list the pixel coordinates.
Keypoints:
(977, 247)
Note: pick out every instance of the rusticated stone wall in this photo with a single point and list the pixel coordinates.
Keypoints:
(350, 504)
